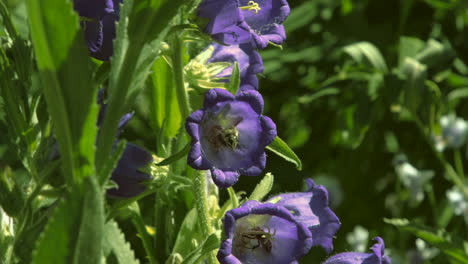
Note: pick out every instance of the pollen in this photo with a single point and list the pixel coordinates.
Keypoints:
(252, 6)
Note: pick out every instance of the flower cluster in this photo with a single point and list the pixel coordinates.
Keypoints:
(284, 229)
(229, 134)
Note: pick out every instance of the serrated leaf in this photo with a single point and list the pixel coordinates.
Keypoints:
(438, 239)
(365, 52)
(75, 230)
(65, 74)
(280, 148)
(234, 81)
(210, 243)
(115, 243)
(263, 188)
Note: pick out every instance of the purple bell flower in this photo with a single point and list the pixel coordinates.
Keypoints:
(229, 135)
(244, 21)
(249, 60)
(127, 175)
(311, 208)
(376, 257)
(263, 233)
(98, 19)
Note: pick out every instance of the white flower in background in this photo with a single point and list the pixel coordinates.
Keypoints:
(358, 239)
(454, 132)
(458, 202)
(425, 251)
(412, 178)
(6, 224)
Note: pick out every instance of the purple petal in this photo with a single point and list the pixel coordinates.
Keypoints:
(224, 178)
(268, 130)
(94, 9)
(376, 257)
(291, 239)
(311, 208)
(214, 96)
(195, 158)
(253, 98)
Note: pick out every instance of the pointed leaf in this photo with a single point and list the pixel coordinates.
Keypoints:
(280, 148)
(234, 81)
(263, 188)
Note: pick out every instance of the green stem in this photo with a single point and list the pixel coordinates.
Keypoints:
(178, 70)
(450, 171)
(201, 202)
(459, 164)
(118, 92)
(145, 239)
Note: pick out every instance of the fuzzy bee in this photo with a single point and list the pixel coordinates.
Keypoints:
(264, 239)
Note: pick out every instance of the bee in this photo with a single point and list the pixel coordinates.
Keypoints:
(220, 137)
(264, 239)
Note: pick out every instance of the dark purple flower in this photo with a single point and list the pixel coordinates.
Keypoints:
(242, 21)
(249, 60)
(376, 257)
(98, 19)
(311, 208)
(229, 135)
(263, 233)
(127, 175)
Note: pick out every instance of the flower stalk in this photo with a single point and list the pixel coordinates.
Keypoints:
(201, 202)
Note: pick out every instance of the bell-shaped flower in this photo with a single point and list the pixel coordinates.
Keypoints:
(236, 22)
(127, 175)
(311, 208)
(376, 257)
(229, 135)
(263, 233)
(249, 60)
(98, 19)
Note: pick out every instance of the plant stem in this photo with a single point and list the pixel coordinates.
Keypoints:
(450, 171)
(145, 239)
(178, 70)
(459, 164)
(201, 201)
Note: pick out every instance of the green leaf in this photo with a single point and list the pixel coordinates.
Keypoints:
(163, 100)
(75, 230)
(435, 53)
(415, 73)
(307, 99)
(263, 188)
(182, 153)
(210, 243)
(234, 81)
(365, 52)
(143, 25)
(65, 72)
(183, 244)
(280, 148)
(409, 47)
(115, 243)
(436, 238)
